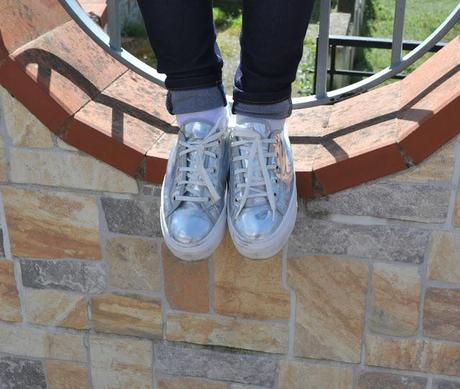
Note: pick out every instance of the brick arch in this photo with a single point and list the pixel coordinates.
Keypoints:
(96, 104)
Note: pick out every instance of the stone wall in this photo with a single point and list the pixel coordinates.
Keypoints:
(367, 295)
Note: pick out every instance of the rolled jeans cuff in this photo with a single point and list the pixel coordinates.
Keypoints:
(195, 100)
(280, 110)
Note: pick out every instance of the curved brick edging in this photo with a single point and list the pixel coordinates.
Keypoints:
(99, 106)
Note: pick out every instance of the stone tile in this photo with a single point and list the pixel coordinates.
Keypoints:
(428, 356)
(457, 209)
(35, 343)
(123, 122)
(121, 362)
(190, 383)
(24, 129)
(185, 283)
(21, 373)
(420, 202)
(72, 76)
(248, 288)
(134, 263)
(228, 332)
(441, 314)
(252, 369)
(443, 264)
(438, 167)
(75, 276)
(66, 375)
(298, 375)
(377, 380)
(67, 170)
(331, 299)
(444, 384)
(52, 225)
(16, 22)
(373, 242)
(133, 217)
(57, 309)
(395, 300)
(127, 315)
(10, 305)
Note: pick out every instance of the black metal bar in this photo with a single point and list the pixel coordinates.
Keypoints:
(362, 73)
(364, 42)
(331, 71)
(316, 66)
(376, 43)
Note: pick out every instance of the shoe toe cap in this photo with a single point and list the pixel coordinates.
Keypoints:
(256, 223)
(189, 226)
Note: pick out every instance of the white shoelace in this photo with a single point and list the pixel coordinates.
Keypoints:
(254, 151)
(198, 174)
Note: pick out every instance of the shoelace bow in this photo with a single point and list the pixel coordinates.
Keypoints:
(198, 174)
(252, 150)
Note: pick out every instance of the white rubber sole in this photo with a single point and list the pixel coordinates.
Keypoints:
(266, 248)
(200, 250)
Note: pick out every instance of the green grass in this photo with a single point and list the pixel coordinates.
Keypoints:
(422, 18)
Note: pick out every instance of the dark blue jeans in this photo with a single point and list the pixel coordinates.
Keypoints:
(183, 37)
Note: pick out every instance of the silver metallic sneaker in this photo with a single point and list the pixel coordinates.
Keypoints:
(193, 200)
(262, 204)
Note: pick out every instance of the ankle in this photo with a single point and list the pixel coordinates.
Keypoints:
(210, 115)
(273, 123)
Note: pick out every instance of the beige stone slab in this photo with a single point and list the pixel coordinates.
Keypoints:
(24, 129)
(121, 362)
(67, 170)
(248, 288)
(127, 315)
(299, 375)
(331, 298)
(438, 167)
(395, 300)
(189, 383)
(428, 356)
(52, 225)
(56, 308)
(35, 343)
(67, 375)
(134, 263)
(10, 305)
(222, 331)
(444, 258)
(441, 314)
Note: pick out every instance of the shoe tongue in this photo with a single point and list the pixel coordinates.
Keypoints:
(259, 126)
(196, 130)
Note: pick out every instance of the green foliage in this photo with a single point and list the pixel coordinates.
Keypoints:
(422, 18)
(227, 14)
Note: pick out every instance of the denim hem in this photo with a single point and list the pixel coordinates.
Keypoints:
(195, 100)
(280, 110)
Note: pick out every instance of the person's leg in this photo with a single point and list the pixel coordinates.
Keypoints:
(271, 48)
(192, 212)
(183, 37)
(262, 191)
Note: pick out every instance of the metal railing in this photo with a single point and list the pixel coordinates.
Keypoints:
(336, 41)
(111, 42)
